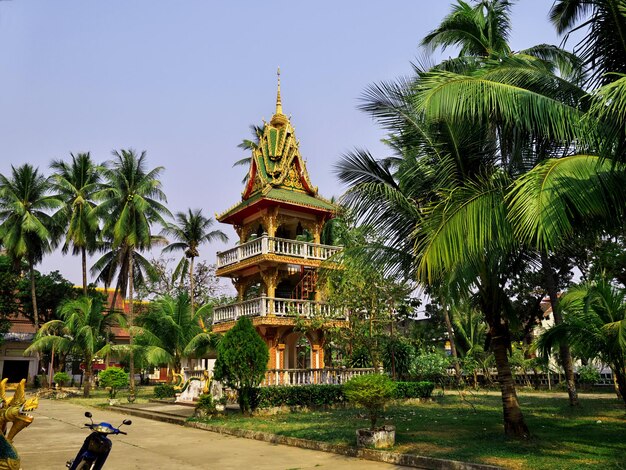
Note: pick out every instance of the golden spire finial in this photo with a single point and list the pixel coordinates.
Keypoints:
(279, 103)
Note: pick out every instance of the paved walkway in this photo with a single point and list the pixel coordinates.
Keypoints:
(57, 433)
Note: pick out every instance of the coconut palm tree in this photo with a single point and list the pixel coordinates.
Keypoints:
(26, 228)
(463, 135)
(594, 323)
(169, 332)
(81, 331)
(131, 202)
(75, 184)
(190, 230)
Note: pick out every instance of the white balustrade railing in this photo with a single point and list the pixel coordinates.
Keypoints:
(262, 306)
(279, 246)
(328, 376)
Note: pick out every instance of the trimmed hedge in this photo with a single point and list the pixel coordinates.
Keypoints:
(164, 391)
(326, 395)
(304, 395)
(414, 389)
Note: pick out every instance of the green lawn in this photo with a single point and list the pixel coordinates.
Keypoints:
(592, 436)
(100, 397)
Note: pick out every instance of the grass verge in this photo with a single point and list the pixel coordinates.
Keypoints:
(100, 397)
(470, 429)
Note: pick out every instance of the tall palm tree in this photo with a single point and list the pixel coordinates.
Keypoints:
(80, 331)
(26, 228)
(169, 332)
(595, 324)
(463, 134)
(131, 202)
(76, 184)
(191, 230)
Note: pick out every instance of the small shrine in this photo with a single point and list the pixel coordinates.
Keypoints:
(274, 266)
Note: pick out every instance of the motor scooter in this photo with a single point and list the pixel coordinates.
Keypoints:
(95, 450)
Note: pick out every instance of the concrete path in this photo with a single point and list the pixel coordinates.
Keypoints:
(57, 433)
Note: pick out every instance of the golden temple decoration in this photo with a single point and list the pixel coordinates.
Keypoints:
(15, 410)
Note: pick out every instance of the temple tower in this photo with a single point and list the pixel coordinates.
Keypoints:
(274, 267)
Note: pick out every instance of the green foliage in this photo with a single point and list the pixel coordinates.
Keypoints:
(168, 332)
(164, 391)
(242, 358)
(398, 358)
(9, 278)
(431, 366)
(372, 392)
(313, 396)
(422, 389)
(305, 395)
(80, 331)
(588, 375)
(205, 406)
(113, 378)
(360, 358)
(594, 325)
(61, 378)
(52, 290)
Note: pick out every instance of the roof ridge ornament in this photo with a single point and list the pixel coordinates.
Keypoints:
(279, 119)
(279, 103)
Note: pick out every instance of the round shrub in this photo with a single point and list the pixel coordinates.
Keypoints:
(113, 378)
(61, 378)
(372, 392)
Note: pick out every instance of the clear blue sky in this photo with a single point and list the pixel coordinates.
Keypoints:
(183, 80)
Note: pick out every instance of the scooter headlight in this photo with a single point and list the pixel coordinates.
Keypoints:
(103, 429)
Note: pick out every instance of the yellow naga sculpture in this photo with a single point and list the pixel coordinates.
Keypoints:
(13, 410)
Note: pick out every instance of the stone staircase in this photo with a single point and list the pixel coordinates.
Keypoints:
(166, 412)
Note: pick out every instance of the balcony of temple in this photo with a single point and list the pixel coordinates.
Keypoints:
(276, 236)
(278, 296)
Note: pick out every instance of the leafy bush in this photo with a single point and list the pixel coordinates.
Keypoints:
(164, 391)
(61, 378)
(431, 366)
(588, 375)
(242, 358)
(414, 389)
(113, 378)
(372, 392)
(305, 395)
(205, 406)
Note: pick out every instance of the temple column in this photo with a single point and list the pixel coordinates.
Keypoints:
(270, 221)
(280, 357)
(270, 279)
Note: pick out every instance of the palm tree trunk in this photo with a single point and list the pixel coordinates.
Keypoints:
(619, 378)
(564, 351)
(191, 286)
(88, 374)
(84, 260)
(33, 292)
(514, 424)
(131, 359)
(457, 367)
